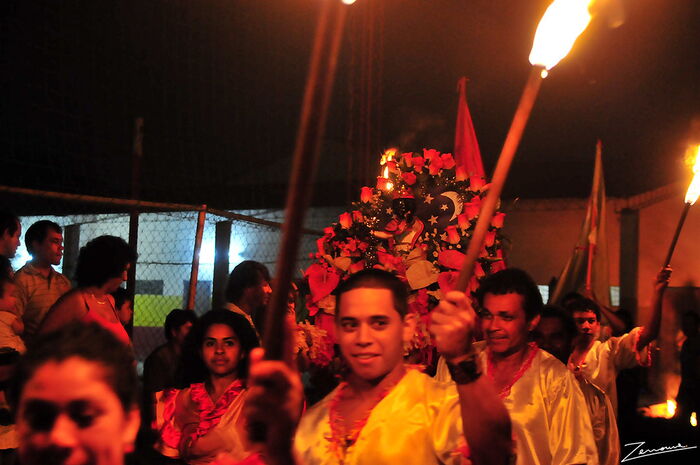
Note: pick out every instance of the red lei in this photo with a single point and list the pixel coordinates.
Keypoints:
(210, 413)
(339, 443)
(532, 347)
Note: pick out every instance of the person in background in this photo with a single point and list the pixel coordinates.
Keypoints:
(124, 305)
(599, 361)
(76, 398)
(204, 420)
(102, 267)
(555, 333)
(39, 286)
(161, 366)
(248, 290)
(10, 232)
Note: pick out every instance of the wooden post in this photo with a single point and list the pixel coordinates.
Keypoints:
(222, 245)
(192, 290)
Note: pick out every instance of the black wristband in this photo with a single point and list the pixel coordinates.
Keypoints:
(466, 371)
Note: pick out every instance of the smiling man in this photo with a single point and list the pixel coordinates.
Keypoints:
(548, 411)
(386, 412)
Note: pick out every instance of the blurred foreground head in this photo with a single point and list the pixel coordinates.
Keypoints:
(76, 399)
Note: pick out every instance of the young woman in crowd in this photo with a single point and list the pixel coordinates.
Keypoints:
(76, 398)
(204, 420)
(103, 264)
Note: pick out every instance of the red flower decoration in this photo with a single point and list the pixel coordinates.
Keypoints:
(366, 194)
(346, 220)
(472, 208)
(461, 173)
(451, 259)
(409, 177)
(357, 216)
(407, 158)
(476, 183)
(322, 281)
(355, 267)
(497, 266)
(463, 221)
(435, 166)
(418, 163)
(431, 154)
(497, 220)
(452, 235)
(448, 161)
(490, 238)
(391, 164)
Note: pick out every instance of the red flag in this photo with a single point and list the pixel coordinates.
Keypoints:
(466, 151)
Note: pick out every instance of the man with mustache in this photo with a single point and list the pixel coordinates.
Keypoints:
(550, 422)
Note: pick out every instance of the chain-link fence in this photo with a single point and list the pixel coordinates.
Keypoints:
(166, 244)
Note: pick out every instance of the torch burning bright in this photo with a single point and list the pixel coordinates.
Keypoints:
(559, 28)
(691, 196)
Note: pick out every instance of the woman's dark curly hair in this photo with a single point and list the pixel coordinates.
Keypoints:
(195, 370)
(90, 342)
(102, 259)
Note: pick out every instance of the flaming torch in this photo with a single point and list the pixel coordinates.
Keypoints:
(557, 31)
(691, 196)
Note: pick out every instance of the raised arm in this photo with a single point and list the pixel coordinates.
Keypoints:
(651, 329)
(485, 419)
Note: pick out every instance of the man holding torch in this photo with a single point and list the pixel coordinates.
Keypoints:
(550, 422)
(386, 412)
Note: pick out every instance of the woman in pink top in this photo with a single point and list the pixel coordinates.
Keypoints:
(103, 264)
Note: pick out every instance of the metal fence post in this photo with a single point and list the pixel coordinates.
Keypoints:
(222, 245)
(71, 248)
(192, 290)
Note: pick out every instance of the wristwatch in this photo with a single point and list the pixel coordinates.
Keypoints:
(465, 372)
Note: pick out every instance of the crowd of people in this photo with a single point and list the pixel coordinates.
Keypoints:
(516, 381)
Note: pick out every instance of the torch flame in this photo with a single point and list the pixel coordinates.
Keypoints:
(671, 408)
(559, 28)
(693, 191)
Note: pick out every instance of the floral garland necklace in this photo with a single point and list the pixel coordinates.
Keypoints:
(503, 393)
(210, 413)
(340, 442)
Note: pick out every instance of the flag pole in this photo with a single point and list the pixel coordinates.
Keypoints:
(505, 159)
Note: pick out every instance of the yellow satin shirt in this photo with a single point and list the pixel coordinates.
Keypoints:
(550, 421)
(418, 423)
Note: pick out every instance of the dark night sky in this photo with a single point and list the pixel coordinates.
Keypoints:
(219, 84)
